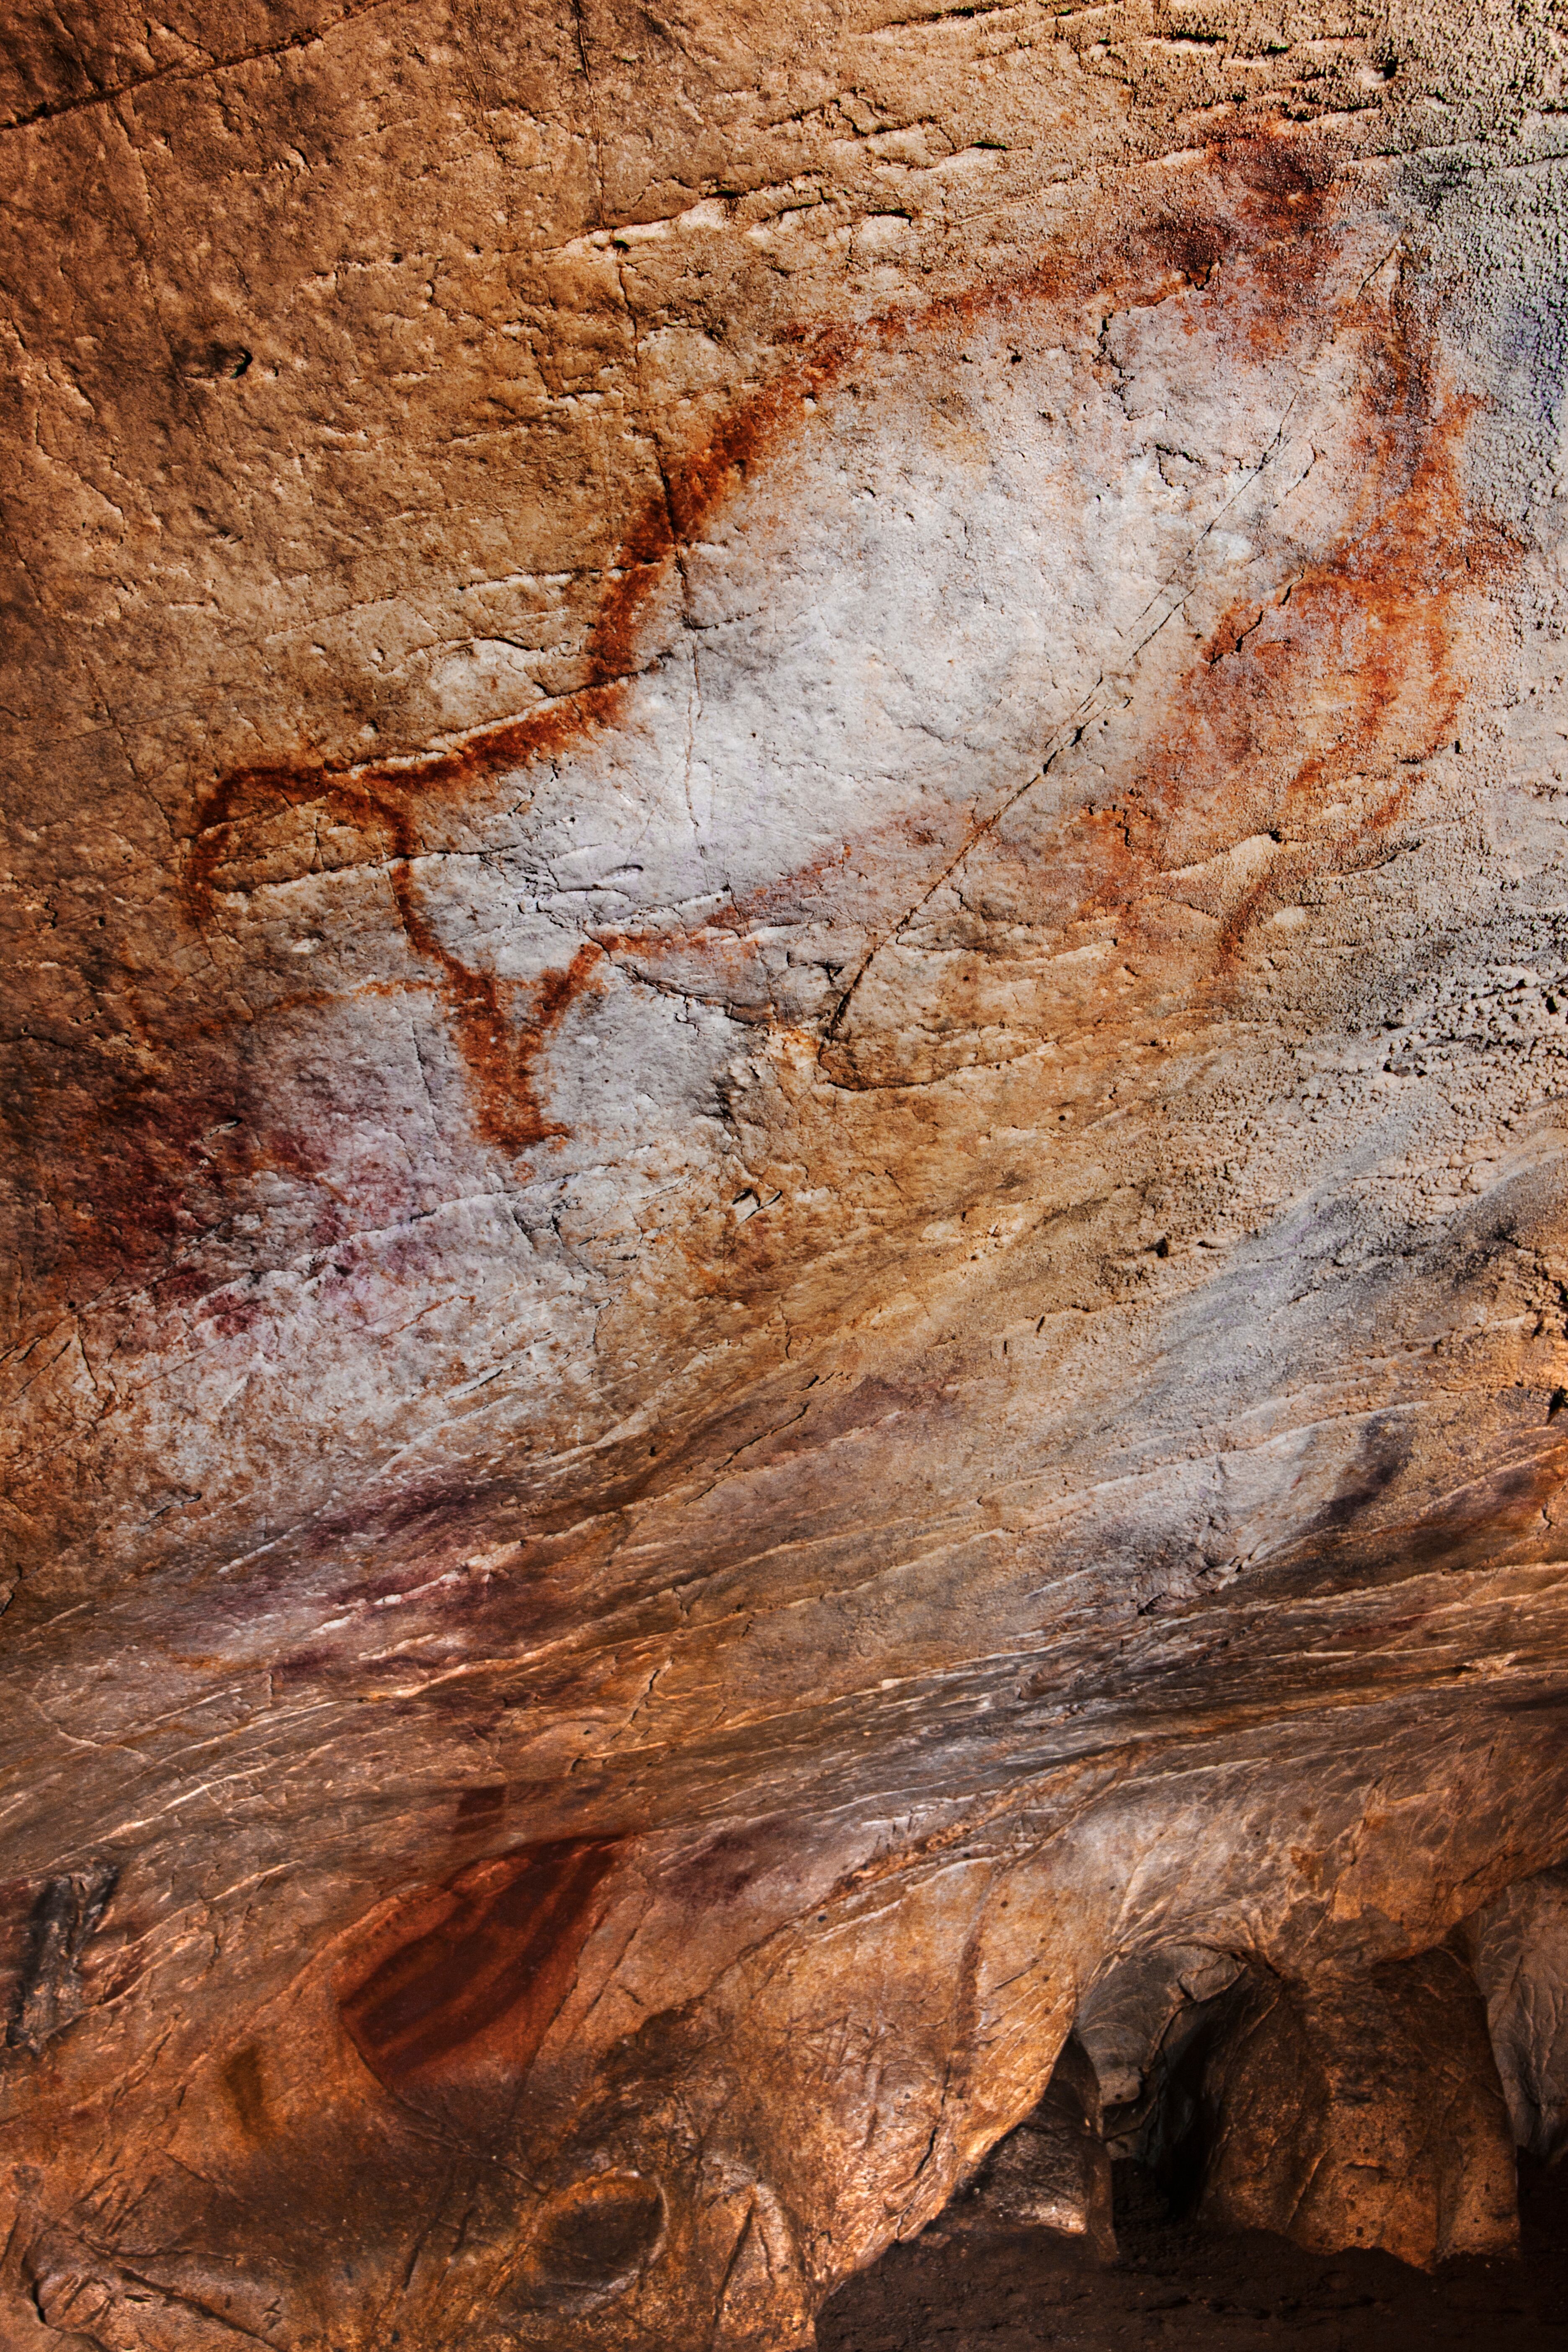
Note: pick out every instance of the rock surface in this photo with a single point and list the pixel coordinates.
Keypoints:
(1519, 1950)
(784, 1062)
(1052, 2171)
(1361, 2110)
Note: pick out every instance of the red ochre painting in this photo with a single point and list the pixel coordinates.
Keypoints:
(787, 1309)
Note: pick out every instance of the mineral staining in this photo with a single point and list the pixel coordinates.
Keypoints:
(785, 1161)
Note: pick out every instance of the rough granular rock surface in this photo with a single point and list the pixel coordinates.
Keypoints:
(1366, 2111)
(786, 1024)
(1518, 1949)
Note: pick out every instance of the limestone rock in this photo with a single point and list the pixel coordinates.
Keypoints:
(1136, 2005)
(1360, 2110)
(786, 1028)
(1519, 1949)
(1052, 2171)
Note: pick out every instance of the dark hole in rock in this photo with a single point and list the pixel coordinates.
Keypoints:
(589, 2243)
(598, 2231)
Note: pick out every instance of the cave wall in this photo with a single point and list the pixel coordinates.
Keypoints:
(786, 1024)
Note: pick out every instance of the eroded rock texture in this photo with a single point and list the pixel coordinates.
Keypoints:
(1052, 2171)
(1518, 1949)
(787, 1026)
(1362, 2109)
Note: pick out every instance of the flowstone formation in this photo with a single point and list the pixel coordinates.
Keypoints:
(785, 1051)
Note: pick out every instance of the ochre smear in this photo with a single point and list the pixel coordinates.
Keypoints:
(1350, 672)
(1323, 691)
(499, 1054)
(1261, 199)
(478, 1968)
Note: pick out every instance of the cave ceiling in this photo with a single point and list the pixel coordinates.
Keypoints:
(786, 1012)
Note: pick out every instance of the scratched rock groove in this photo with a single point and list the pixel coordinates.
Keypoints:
(786, 1263)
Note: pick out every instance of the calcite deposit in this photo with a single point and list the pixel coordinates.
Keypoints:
(786, 1017)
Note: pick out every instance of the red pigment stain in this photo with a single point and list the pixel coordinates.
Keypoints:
(124, 1165)
(477, 1969)
(1273, 205)
(1348, 669)
(480, 1809)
